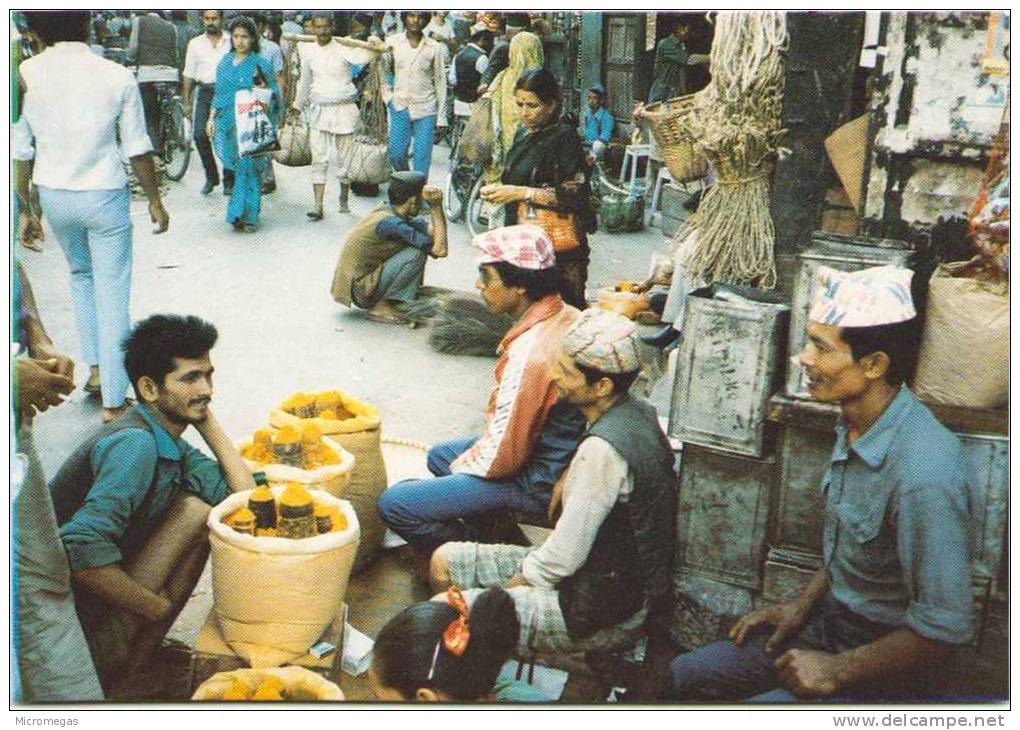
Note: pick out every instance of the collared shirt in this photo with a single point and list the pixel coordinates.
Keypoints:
(597, 478)
(598, 126)
(77, 106)
(896, 536)
(445, 30)
(326, 84)
(110, 526)
(418, 77)
(414, 232)
(204, 56)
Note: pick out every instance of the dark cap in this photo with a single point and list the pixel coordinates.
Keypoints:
(598, 89)
(405, 184)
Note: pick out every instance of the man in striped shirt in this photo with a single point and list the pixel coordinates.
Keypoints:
(530, 435)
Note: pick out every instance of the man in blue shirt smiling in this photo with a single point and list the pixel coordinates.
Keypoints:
(893, 597)
(133, 499)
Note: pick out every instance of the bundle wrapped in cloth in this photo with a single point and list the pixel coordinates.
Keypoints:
(356, 427)
(274, 597)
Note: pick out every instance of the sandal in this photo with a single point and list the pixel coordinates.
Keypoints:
(314, 215)
(238, 225)
(251, 227)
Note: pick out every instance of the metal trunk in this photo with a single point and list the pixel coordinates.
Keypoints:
(723, 516)
(729, 366)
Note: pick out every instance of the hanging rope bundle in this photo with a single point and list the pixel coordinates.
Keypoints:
(736, 124)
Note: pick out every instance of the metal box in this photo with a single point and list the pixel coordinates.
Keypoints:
(846, 253)
(704, 609)
(804, 456)
(989, 460)
(784, 581)
(729, 365)
(722, 516)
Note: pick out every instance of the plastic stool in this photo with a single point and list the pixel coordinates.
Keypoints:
(661, 179)
(632, 157)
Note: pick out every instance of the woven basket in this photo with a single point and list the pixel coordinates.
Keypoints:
(682, 158)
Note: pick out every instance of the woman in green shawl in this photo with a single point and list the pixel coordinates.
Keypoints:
(525, 55)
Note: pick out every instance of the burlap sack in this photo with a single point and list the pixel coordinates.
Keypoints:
(299, 684)
(360, 435)
(363, 160)
(964, 358)
(332, 478)
(274, 597)
(295, 148)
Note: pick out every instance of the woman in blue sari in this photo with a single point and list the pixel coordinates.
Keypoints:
(241, 68)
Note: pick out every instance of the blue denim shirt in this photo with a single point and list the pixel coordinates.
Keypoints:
(896, 537)
(414, 232)
(110, 526)
(598, 125)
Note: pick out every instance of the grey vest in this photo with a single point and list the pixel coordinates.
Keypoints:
(629, 562)
(157, 42)
(71, 485)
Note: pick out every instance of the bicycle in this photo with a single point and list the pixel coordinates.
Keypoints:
(461, 179)
(174, 137)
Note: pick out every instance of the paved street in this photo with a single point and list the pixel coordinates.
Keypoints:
(280, 331)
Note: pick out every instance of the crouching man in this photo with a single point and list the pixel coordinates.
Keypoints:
(133, 500)
(382, 264)
(878, 620)
(591, 583)
(530, 433)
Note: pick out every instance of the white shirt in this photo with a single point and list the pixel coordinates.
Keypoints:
(445, 30)
(326, 84)
(462, 108)
(76, 107)
(419, 78)
(203, 56)
(596, 479)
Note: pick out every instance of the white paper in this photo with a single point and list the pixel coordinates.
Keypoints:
(357, 651)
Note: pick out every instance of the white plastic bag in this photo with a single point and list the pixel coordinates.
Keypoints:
(256, 133)
(274, 597)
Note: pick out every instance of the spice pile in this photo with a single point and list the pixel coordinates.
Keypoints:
(302, 449)
(295, 517)
(270, 689)
(328, 405)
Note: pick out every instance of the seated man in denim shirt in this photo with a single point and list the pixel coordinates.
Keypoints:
(598, 123)
(132, 501)
(382, 264)
(894, 595)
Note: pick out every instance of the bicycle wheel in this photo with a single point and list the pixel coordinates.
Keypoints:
(176, 150)
(453, 204)
(480, 216)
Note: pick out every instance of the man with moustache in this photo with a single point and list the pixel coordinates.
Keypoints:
(132, 501)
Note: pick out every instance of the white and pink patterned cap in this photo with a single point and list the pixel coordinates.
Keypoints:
(603, 340)
(866, 298)
(525, 246)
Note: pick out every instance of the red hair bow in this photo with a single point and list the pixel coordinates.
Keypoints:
(457, 634)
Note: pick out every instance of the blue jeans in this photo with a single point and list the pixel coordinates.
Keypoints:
(93, 228)
(402, 128)
(430, 512)
(724, 671)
